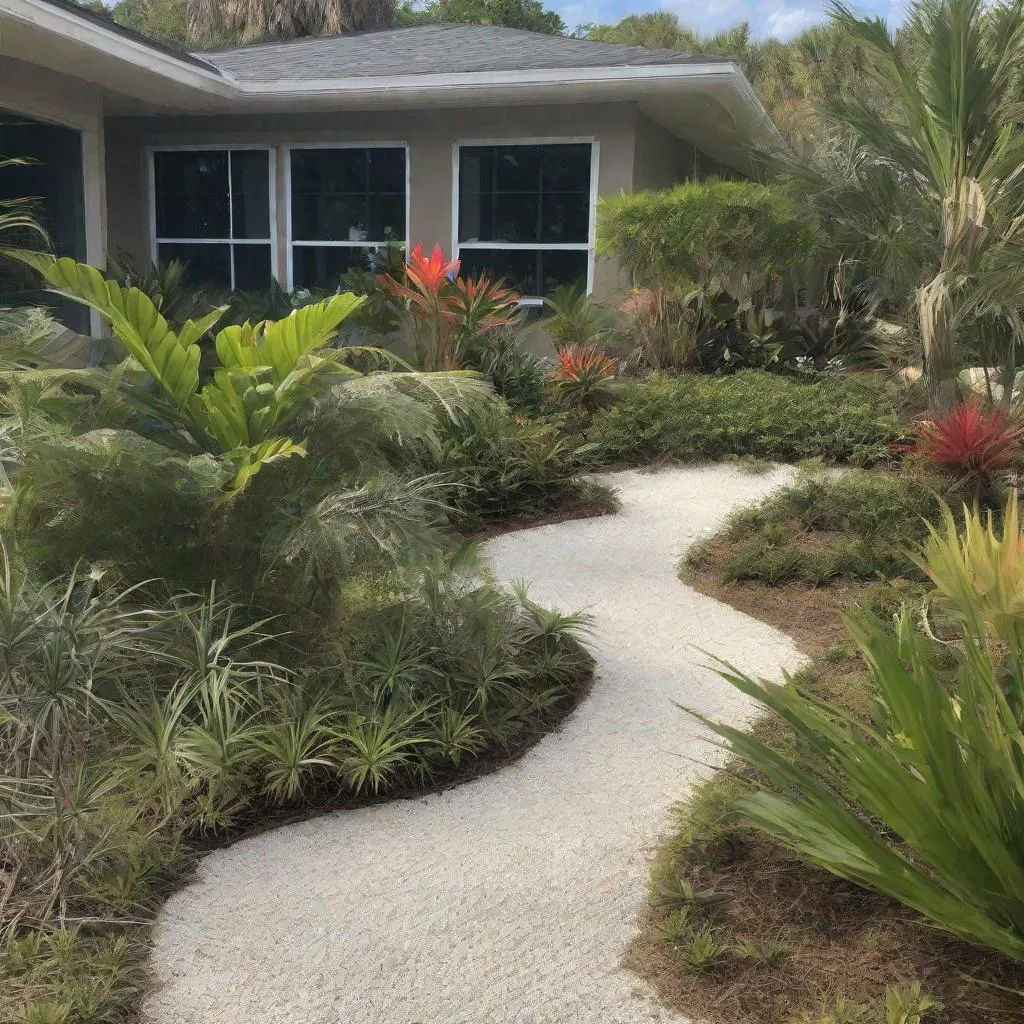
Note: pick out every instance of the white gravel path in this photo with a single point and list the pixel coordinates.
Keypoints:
(511, 899)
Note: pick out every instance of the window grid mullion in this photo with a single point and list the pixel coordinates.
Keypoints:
(231, 220)
(540, 199)
(230, 241)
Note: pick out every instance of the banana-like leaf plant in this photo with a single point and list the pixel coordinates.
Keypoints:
(268, 371)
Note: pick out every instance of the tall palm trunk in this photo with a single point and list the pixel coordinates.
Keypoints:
(963, 230)
(935, 315)
(244, 21)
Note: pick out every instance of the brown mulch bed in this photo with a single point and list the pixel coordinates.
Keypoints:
(839, 937)
(512, 524)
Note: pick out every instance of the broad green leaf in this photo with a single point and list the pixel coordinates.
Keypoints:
(136, 321)
(250, 460)
(305, 330)
(220, 409)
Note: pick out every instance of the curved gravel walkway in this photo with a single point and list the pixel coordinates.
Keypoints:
(508, 900)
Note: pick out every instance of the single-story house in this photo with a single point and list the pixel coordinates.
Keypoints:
(288, 160)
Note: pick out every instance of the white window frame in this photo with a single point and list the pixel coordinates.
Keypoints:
(559, 140)
(211, 147)
(291, 242)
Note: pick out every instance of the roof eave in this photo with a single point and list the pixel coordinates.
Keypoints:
(113, 41)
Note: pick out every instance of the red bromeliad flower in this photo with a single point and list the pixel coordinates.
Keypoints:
(583, 376)
(480, 304)
(583, 363)
(970, 441)
(429, 274)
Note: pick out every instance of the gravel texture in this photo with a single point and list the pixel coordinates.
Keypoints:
(508, 900)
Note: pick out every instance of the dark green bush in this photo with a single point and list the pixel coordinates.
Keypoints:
(690, 417)
(702, 231)
(501, 465)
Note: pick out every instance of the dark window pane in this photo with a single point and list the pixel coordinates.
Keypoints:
(566, 168)
(191, 194)
(330, 217)
(565, 217)
(476, 217)
(528, 271)
(387, 218)
(252, 267)
(250, 193)
(207, 264)
(518, 268)
(320, 266)
(386, 171)
(328, 170)
(476, 169)
(348, 195)
(190, 171)
(563, 266)
(517, 168)
(516, 217)
(525, 193)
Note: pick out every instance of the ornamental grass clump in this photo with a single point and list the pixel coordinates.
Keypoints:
(924, 801)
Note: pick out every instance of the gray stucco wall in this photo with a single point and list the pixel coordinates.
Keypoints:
(661, 159)
(430, 135)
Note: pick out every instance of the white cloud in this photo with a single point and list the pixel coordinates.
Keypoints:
(788, 21)
(710, 16)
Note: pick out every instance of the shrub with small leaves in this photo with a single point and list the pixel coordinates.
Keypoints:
(763, 415)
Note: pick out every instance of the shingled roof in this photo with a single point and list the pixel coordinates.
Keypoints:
(430, 49)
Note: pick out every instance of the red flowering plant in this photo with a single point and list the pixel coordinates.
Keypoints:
(446, 313)
(583, 375)
(976, 445)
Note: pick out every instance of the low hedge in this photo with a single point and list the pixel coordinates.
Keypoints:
(755, 414)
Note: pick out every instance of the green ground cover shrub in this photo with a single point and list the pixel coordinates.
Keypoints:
(853, 525)
(132, 727)
(501, 466)
(695, 418)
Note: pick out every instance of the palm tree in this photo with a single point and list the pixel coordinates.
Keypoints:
(242, 21)
(935, 173)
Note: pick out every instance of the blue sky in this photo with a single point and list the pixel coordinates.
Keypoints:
(782, 18)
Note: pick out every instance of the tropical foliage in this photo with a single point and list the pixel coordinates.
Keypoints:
(448, 315)
(973, 443)
(706, 233)
(931, 187)
(526, 15)
(131, 729)
(920, 802)
(228, 589)
(694, 417)
(211, 23)
(583, 376)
